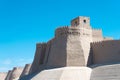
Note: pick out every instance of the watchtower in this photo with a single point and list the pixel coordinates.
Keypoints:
(81, 21)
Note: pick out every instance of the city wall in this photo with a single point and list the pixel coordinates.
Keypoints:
(72, 41)
(97, 35)
(25, 70)
(39, 57)
(106, 51)
(8, 75)
(70, 46)
(16, 72)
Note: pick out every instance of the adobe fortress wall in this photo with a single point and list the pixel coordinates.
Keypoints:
(63, 47)
(97, 35)
(39, 57)
(16, 72)
(25, 70)
(80, 30)
(106, 51)
(70, 46)
(71, 49)
(8, 75)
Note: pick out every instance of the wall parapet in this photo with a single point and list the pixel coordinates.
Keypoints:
(97, 32)
(67, 31)
(38, 45)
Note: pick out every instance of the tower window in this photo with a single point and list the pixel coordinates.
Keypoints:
(75, 23)
(84, 21)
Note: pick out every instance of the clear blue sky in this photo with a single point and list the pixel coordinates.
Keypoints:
(23, 23)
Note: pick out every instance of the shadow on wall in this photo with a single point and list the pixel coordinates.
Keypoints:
(57, 54)
(90, 57)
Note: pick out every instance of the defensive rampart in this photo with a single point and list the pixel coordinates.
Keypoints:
(16, 72)
(25, 70)
(8, 75)
(39, 57)
(65, 31)
(65, 47)
(97, 35)
(106, 51)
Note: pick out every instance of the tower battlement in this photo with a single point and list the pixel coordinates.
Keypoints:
(38, 45)
(67, 31)
(81, 22)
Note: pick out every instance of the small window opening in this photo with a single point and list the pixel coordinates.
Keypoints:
(84, 21)
(75, 23)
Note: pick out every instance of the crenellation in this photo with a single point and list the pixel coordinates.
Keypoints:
(67, 31)
(38, 45)
(107, 38)
(97, 35)
(96, 42)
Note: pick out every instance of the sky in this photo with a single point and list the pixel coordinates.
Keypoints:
(23, 23)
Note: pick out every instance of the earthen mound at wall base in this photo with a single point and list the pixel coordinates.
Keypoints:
(106, 72)
(64, 73)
